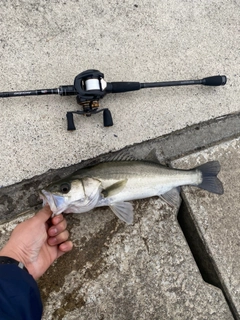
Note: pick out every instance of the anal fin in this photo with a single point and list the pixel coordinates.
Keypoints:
(172, 197)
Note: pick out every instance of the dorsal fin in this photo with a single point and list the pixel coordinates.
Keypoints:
(123, 155)
(152, 157)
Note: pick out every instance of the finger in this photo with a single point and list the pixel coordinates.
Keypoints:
(64, 247)
(44, 214)
(62, 237)
(57, 229)
(57, 219)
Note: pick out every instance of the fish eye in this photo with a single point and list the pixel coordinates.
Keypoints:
(65, 187)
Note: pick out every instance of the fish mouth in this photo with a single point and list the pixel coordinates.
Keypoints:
(57, 203)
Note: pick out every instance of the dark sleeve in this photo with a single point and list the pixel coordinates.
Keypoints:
(19, 294)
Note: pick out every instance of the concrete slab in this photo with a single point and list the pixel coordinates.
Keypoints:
(144, 271)
(46, 44)
(216, 221)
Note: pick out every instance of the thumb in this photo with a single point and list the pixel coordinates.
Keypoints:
(44, 214)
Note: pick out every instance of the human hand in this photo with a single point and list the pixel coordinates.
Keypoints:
(38, 242)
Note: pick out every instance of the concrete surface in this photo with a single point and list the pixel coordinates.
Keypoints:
(120, 272)
(217, 218)
(45, 44)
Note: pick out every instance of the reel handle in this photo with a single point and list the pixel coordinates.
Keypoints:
(70, 122)
(107, 117)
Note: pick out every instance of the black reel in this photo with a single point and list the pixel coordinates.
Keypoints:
(90, 86)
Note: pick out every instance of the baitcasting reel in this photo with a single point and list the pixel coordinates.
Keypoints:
(90, 86)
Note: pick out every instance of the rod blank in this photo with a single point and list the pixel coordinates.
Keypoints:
(28, 93)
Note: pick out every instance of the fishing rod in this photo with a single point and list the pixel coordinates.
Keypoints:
(90, 86)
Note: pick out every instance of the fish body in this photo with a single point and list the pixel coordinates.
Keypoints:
(116, 183)
(132, 180)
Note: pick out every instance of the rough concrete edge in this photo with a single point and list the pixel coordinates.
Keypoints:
(201, 253)
(23, 196)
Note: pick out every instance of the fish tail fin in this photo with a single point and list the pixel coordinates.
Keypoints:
(210, 182)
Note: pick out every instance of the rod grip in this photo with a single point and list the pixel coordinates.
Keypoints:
(215, 81)
(116, 87)
(70, 121)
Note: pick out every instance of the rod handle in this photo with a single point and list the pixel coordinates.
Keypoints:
(116, 87)
(215, 81)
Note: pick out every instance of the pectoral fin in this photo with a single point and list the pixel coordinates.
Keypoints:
(114, 188)
(172, 197)
(123, 210)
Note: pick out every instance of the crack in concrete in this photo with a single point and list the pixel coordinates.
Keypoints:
(200, 251)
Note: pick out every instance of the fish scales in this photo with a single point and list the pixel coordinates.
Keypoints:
(141, 175)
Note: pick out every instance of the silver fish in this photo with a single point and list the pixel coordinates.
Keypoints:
(115, 183)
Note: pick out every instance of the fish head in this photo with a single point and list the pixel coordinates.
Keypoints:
(71, 195)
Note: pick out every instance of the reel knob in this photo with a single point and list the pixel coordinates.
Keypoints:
(70, 122)
(107, 118)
